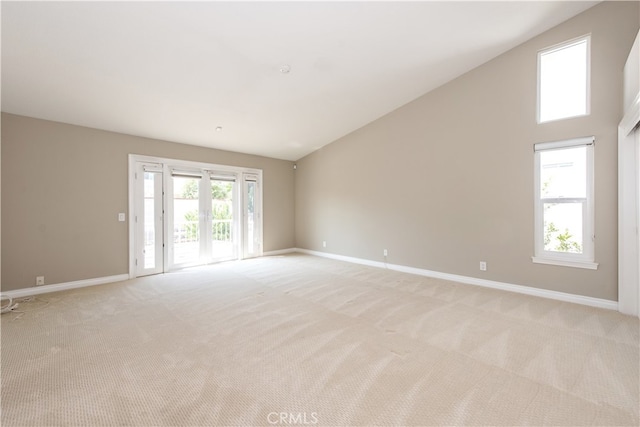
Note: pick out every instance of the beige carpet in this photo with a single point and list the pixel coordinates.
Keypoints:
(310, 341)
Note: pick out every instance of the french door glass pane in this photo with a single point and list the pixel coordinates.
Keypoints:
(251, 218)
(150, 219)
(563, 227)
(186, 220)
(222, 225)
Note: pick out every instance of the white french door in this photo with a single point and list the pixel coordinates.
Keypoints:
(187, 234)
(148, 220)
(189, 214)
(222, 217)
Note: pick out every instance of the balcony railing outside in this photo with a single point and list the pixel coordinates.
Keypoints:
(186, 241)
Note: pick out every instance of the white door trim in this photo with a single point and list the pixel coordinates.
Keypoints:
(628, 211)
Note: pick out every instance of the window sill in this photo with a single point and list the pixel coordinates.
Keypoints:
(563, 263)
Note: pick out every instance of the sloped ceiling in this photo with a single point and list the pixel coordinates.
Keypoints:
(178, 70)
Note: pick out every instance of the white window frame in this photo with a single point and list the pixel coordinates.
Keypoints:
(586, 258)
(555, 48)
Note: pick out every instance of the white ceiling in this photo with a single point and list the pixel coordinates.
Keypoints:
(177, 70)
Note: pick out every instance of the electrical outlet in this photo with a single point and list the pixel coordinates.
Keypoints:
(483, 266)
(385, 253)
(39, 280)
(324, 243)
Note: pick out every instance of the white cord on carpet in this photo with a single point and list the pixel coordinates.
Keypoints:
(9, 307)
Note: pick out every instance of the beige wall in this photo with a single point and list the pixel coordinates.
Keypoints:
(447, 181)
(442, 183)
(64, 185)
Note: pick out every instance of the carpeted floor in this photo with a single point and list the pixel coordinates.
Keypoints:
(309, 341)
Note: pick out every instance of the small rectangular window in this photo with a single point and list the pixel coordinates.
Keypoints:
(564, 203)
(563, 80)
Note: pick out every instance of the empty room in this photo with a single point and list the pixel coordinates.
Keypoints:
(305, 213)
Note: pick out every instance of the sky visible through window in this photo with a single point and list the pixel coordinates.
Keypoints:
(563, 81)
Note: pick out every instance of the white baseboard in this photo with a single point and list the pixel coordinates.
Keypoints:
(537, 292)
(280, 252)
(25, 292)
(527, 290)
(36, 290)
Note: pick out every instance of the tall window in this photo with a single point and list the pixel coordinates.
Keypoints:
(563, 80)
(564, 203)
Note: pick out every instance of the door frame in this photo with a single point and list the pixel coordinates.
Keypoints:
(629, 211)
(138, 222)
(168, 164)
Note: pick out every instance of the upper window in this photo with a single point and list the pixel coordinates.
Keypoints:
(563, 80)
(564, 203)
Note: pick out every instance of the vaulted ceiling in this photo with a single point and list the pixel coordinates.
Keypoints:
(278, 79)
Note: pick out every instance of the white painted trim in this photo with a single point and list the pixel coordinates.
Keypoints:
(354, 260)
(279, 252)
(563, 263)
(537, 292)
(630, 119)
(132, 229)
(543, 293)
(19, 293)
(628, 211)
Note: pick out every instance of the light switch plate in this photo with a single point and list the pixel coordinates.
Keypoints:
(121, 217)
